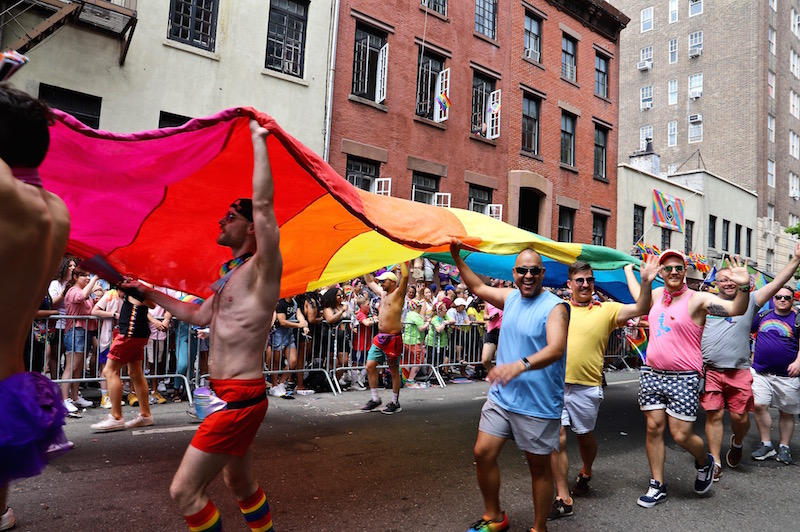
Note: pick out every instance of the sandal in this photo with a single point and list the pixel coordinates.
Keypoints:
(176, 397)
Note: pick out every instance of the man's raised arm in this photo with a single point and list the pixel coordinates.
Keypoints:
(268, 255)
(765, 294)
(649, 271)
(495, 296)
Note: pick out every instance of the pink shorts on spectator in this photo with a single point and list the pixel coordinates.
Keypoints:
(728, 388)
(413, 354)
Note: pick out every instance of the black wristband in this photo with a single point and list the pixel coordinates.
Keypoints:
(526, 363)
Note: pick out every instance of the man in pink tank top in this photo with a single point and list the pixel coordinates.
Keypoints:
(670, 383)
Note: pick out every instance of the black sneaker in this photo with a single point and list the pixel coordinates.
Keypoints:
(559, 509)
(392, 408)
(763, 452)
(656, 494)
(371, 405)
(705, 476)
(581, 487)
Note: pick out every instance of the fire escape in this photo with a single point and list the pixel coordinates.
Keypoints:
(112, 17)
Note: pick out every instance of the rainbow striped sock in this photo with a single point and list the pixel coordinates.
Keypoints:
(256, 512)
(206, 520)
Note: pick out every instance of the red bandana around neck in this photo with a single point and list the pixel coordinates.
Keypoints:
(591, 303)
(669, 296)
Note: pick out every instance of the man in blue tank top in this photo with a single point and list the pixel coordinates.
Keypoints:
(527, 393)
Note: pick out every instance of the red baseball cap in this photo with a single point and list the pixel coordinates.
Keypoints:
(667, 253)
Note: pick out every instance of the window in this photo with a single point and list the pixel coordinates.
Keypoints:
(666, 238)
(794, 144)
(646, 54)
(795, 21)
(486, 17)
(671, 169)
(362, 173)
(771, 173)
(712, 231)
(599, 229)
(440, 6)
(194, 22)
(737, 240)
(485, 107)
(84, 107)
(672, 133)
(645, 134)
(533, 37)
(695, 43)
(370, 61)
(530, 123)
(770, 213)
(695, 132)
(433, 87)
(794, 106)
(794, 185)
(794, 63)
(646, 97)
(673, 11)
(424, 188)
(601, 76)
(600, 142)
(286, 36)
(695, 86)
(479, 199)
(748, 239)
(774, 5)
(166, 119)
(566, 224)
(771, 128)
(638, 223)
(772, 37)
(770, 260)
(673, 51)
(771, 83)
(647, 19)
(688, 234)
(695, 7)
(567, 138)
(673, 92)
(793, 220)
(726, 226)
(568, 56)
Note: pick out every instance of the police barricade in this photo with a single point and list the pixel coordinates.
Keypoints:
(462, 350)
(307, 356)
(624, 347)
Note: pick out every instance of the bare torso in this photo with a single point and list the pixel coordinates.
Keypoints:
(390, 312)
(35, 227)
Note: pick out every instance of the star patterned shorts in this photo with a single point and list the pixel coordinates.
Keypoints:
(675, 391)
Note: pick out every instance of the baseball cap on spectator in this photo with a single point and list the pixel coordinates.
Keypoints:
(667, 253)
(449, 287)
(460, 302)
(446, 301)
(387, 275)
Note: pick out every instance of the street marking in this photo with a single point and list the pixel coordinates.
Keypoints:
(348, 413)
(163, 431)
(622, 382)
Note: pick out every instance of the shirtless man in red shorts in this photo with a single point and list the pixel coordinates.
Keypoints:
(387, 345)
(238, 313)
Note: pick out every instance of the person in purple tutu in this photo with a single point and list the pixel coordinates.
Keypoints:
(34, 223)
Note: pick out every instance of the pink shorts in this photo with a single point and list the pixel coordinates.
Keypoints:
(413, 354)
(728, 389)
(126, 350)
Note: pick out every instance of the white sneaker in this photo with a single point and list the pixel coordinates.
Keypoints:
(71, 408)
(278, 391)
(83, 403)
(162, 388)
(109, 424)
(140, 421)
(7, 520)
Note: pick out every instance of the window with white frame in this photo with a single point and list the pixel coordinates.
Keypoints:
(645, 134)
(424, 188)
(794, 104)
(673, 92)
(646, 97)
(673, 51)
(695, 7)
(771, 173)
(370, 63)
(672, 133)
(568, 138)
(647, 19)
(771, 83)
(695, 86)
(794, 63)
(794, 185)
(569, 48)
(646, 54)
(793, 220)
(695, 42)
(362, 173)
(672, 168)
(486, 17)
(695, 132)
(433, 87)
(286, 36)
(533, 37)
(794, 144)
(440, 6)
(774, 5)
(530, 123)
(479, 198)
(486, 107)
(771, 128)
(673, 11)
(772, 36)
(770, 213)
(795, 22)
(770, 260)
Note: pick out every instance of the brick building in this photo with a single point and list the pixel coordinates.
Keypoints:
(501, 106)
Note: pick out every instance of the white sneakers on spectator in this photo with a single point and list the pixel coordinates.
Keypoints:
(71, 408)
(278, 390)
(140, 421)
(109, 424)
(162, 388)
(7, 520)
(83, 403)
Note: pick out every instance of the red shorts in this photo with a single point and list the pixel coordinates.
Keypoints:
(232, 431)
(413, 354)
(728, 388)
(126, 350)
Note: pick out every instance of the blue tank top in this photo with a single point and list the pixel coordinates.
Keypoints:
(538, 393)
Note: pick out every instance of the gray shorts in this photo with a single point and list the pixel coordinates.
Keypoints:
(531, 434)
(581, 407)
(776, 391)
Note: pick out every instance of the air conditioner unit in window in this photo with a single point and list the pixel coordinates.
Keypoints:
(647, 105)
(695, 51)
(794, 194)
(695, 93)
(645, 65)
(694, 119)
(532, 54)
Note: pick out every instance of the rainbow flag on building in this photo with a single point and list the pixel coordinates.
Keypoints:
(443, 101)
(667, 211)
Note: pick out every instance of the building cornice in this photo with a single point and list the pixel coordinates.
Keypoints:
(599, 16)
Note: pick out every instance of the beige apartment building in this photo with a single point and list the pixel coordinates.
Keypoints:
(716, 85)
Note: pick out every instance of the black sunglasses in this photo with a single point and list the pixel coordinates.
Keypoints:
(534, 270)
(582, 280)
(785, 298)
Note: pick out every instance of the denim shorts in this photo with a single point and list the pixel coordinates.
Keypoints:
(75, 340)
(282, 338)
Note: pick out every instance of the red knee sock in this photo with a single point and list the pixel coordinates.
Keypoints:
(256, 512)
(206, 520)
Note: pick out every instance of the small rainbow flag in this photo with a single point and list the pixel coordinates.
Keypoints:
(495, 108)
(639, 344)
(443, 101)
(189, 298)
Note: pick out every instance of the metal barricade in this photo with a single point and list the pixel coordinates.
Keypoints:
(623, 347)
(310, 352)
(464, 349)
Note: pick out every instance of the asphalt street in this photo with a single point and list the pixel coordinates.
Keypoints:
(326, 466)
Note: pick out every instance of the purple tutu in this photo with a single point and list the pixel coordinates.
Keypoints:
(31, 420)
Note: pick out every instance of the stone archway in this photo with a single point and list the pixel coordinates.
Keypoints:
(530, 203)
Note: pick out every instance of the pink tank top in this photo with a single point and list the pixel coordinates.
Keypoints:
(674, 338)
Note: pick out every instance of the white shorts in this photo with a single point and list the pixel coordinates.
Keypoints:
(155, 350)
(581, 407)
(778, 392)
